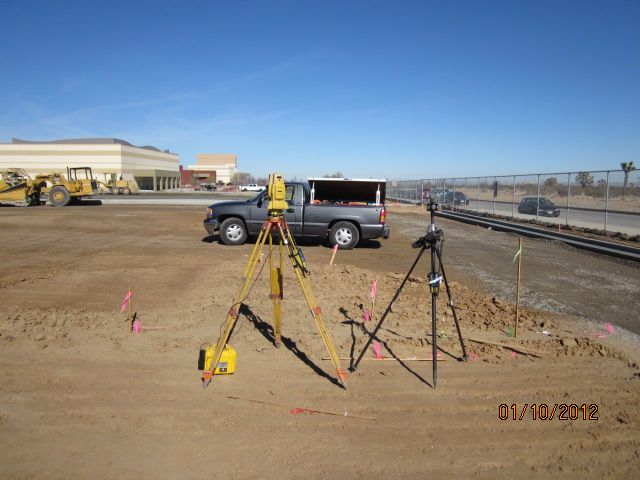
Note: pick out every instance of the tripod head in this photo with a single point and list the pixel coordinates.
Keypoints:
(434, 234)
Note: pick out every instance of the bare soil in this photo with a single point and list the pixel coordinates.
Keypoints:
(83, 397)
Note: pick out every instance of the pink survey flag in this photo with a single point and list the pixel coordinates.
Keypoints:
(374, 289)
(377, 346)
(334, 250)
(125, 301)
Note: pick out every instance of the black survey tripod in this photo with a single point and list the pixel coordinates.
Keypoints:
(432, 240)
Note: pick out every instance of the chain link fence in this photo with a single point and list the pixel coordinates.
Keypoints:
(606, 200)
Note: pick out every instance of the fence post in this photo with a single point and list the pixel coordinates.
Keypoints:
(568, 197)
(466, 199)
(606, 202)
(495, 193)
(478, 196)
(513, 202)
(422, 191)
(454, 195)
(538, 198)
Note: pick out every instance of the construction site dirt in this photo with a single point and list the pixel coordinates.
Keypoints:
(83, 397)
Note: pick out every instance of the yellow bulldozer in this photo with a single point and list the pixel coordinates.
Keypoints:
(60, 191)
(118, 186)
(17, 188)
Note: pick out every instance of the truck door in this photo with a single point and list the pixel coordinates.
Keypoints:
(293, 214)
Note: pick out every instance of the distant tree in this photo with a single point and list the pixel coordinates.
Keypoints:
(240, 177)
(550, 185)
(627, 167)
(585, 179)
(334, 175)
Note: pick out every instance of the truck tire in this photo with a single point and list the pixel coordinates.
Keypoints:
(59, 197)
(115, 190)
(345, 235)
(126, 191)
(233, 231)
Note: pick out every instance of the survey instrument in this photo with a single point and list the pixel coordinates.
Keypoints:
(286, 245)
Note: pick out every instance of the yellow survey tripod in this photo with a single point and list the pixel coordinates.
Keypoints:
(275, 222)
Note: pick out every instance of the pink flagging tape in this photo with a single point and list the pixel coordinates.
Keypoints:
(377, 346)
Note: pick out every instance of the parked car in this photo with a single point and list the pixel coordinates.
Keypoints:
(252, 187)
(343, 223)
(437, 194)
(455, 198)
(545, 207)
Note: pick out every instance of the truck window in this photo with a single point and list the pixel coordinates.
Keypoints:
(289, 194)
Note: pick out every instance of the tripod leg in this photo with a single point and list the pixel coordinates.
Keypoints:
(453, 307)
(262, 238)
(434, 285)
(234, 311)
(372, 335)
(276, 294)
(299, 268)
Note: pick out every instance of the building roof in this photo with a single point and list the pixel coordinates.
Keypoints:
(85, 141)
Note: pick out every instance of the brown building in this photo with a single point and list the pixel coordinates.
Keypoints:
(191, 178)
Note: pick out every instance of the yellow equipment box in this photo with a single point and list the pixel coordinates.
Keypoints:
(227, 363)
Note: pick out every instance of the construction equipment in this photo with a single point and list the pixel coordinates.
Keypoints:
(17, 188)
(118, 186)
(61, 190)
(275, 223)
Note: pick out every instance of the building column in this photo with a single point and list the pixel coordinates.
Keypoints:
(155, 182)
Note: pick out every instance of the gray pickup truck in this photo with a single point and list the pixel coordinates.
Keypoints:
(343, 222)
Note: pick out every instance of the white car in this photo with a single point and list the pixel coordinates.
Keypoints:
(252, 187)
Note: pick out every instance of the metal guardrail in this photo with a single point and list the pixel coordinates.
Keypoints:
(615, 249)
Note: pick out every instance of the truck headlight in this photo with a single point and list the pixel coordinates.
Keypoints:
(209, 212)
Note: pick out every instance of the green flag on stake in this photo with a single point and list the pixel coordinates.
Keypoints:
(519, 252)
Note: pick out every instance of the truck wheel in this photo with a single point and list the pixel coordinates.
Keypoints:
(59, 197)
(115, 191)
(233, 231)
(126, 191)
(345, 235)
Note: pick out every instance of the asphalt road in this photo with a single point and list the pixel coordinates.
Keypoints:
(173, 198)
(615, 222)
(629, 224)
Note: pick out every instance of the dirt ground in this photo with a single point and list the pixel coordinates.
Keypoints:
(82, 397)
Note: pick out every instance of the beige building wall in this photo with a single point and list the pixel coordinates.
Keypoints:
(152, 169)
(224, 164)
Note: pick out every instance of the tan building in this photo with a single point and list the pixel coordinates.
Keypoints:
(225, 165)
(152, 168)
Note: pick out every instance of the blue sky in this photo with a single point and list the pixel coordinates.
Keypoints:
(371, 88)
